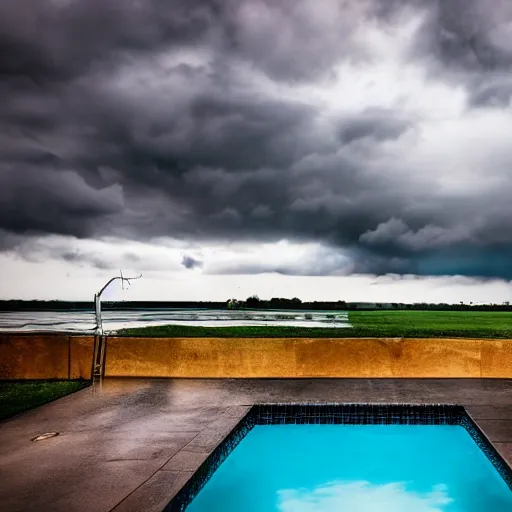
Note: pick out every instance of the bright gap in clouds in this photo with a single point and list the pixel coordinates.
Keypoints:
(76, 269)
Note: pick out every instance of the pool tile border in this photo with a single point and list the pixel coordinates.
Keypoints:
(488, 448)
(342, 414)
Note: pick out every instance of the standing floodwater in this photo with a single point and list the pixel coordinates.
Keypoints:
(83, 321)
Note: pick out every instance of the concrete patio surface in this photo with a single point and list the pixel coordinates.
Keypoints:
(130, 444)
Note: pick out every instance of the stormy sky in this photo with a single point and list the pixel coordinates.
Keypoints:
(332, 149)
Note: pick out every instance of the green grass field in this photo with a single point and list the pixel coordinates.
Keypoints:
(16, 397)
(420, 324)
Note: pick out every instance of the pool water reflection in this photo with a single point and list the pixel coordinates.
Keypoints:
(355, 468)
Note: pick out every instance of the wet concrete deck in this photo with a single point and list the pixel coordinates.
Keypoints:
(131, 444)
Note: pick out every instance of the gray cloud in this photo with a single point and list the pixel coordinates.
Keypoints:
(175, 120)
(467, 34)
(374, 124)
(495, 93)
(396, 231)
(190, 263)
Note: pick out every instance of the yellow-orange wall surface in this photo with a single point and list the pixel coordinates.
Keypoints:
(300, 357)
(62, 356)
(45, 356)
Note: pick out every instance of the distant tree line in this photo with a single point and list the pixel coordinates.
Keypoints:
(252, 302)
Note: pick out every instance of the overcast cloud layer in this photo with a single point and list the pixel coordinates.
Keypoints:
(373, 137)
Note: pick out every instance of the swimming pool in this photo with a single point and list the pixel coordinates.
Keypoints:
(414, 459)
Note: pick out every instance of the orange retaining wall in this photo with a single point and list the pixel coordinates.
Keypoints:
(45, 356)
(61, 356)
(302, 357)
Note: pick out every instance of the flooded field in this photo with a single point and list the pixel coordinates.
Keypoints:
(83, 321)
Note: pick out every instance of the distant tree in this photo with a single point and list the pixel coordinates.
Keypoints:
(233, 304)
(253, 301)
(342, 305)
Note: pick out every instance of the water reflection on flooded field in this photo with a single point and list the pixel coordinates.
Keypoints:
(83, 321)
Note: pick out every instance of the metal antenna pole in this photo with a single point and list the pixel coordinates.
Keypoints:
(99, 338)
(97, 299)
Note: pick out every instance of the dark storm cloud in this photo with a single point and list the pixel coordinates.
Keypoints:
(36, 252)
(375, 124)
(467, 34)
(190, 263)
(47, 40)
(270, 268)
(497, 93)
(9, 241)
(44, 200)
(85, 258)
(155, 118)
(229, 133)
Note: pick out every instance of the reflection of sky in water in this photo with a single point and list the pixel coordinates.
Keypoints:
(363, 497)
(83, 321)
(350, 468)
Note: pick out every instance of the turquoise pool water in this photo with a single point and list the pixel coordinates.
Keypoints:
(355, 468)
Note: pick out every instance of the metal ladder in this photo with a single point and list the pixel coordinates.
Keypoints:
(98, 360)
